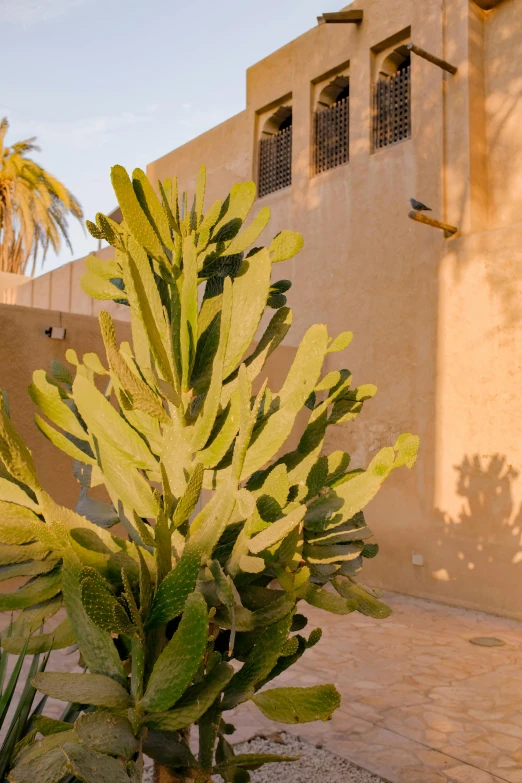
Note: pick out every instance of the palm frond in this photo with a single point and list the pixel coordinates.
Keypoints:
(34, 207)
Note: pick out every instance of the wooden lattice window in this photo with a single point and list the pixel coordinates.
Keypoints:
(392, 108)
(331, 132)
(275, 160)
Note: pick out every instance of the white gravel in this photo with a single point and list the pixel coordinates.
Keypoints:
(315, 765)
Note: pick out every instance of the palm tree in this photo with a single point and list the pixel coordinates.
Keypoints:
(33, 207)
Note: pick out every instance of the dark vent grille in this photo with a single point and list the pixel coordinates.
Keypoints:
(392, 109)
(332, 136)
(275, 162)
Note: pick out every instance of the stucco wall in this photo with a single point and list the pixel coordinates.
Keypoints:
(503, 79)
(437, 322)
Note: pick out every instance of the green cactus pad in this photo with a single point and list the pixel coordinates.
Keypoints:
(298, 705)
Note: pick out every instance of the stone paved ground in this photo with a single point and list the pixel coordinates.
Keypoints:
(420, 703)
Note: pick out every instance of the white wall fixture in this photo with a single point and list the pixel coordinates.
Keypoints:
(55, 332)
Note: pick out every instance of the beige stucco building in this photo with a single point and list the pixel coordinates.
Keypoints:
(437, 318)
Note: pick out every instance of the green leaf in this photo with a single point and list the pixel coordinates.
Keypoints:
(62, 636)
(341, 342)
(345, 500)
(35, 591)
(14, 453)
(31, 568)
(176, 456)
(218, 447)
(13, 493)
(48, 726)
(103, 608)
(98, 288)
(194, 703)
(169, 201)
(47, 397)
(276, 301)
(251, 565)
(106, 424)
(314, 638)
(273, 336)
(132, 212)
(286, 245)
(21, 554)
(353, 530)
(277, 531)
(291, 647)
(330, 602)
(92, 767)
(92, 689)
(16, 523)
(239, 203)
(141, 396)
(299, 383)
(249, 294)
(259, 663)
(152, 207)
(335, 553)
(188, 502)
(60, 372)
(205, 422)
(211, 217)
(189, 310)
(330, 381)
(251, 761)
(105, 269)
(181, 658)
(50, 768)
(298, 705)
(96, 646)
(249, 235)
(167, 749)
(174, 590)
(30, 620)
(62, 442)
(8, 692)
(150, 310)
(107, 733)
(126, 482)
(367, 604)
(407, 447)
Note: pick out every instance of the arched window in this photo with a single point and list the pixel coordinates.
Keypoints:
(331, 125)
(275, 152)
(392, 101)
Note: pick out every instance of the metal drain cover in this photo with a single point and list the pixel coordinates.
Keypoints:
(487, 641)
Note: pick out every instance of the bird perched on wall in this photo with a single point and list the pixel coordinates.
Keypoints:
(418, 206)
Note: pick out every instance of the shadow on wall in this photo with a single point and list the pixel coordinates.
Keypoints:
(502, 38)
(487, 533)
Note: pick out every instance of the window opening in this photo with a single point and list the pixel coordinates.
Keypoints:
(275, 152)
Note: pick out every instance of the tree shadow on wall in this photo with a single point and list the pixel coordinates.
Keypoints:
(484, 541)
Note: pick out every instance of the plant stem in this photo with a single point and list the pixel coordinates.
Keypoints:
(164, 775)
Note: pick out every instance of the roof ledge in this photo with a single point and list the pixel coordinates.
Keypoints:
(487, 5)
(342, 17)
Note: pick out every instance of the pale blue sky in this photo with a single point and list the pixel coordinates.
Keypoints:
(101, 82)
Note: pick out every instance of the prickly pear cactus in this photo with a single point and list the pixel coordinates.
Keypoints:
(226, 533)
